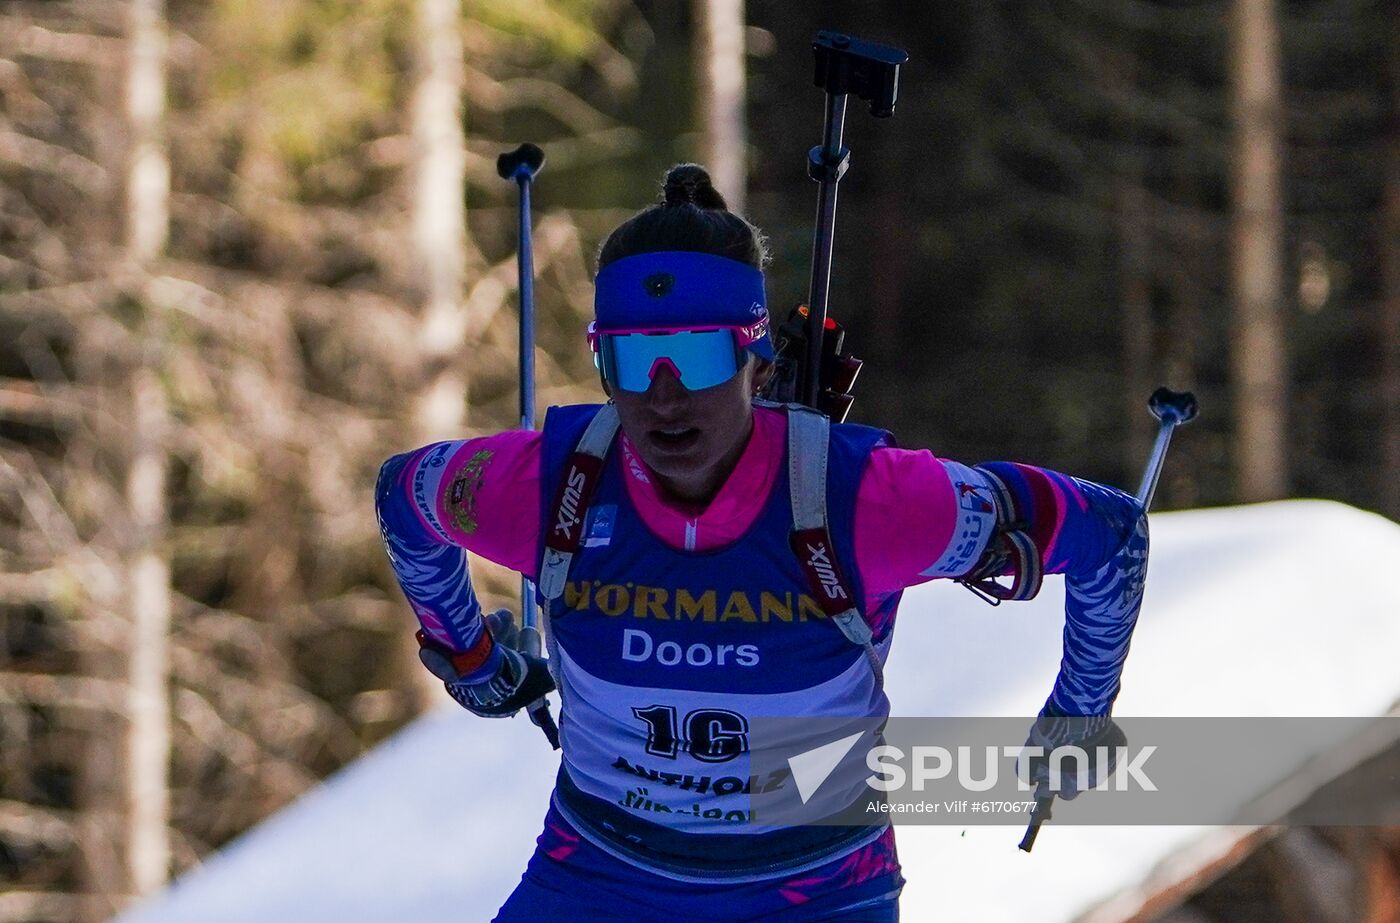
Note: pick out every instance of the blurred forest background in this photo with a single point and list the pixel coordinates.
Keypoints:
(250, 248)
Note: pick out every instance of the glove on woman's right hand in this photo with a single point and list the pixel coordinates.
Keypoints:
(521, 679)
(1088, 734)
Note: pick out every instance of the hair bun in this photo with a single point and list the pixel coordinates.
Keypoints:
(689, 184)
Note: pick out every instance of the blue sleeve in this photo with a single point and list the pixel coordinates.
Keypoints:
(432, 572)
(1097, 537)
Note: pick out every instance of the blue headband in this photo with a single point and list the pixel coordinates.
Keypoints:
(680, 288)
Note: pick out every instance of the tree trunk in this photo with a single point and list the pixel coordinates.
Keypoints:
(148, 704)
(439, 229)
(147, 570)
(148, 167)
(1258, 359)
(439, 218)
(721, 91)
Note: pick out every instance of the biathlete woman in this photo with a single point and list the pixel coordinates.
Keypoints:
(702, 556)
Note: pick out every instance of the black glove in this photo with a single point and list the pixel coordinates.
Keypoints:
(1086, 733)
(522, 678)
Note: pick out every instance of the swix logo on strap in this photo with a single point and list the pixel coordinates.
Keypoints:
(568, 507)
(813, 548)
(571, 503)
(819, 559)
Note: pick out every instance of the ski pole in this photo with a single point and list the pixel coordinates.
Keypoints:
(521, 166)
(1172, 409)
(844, 65)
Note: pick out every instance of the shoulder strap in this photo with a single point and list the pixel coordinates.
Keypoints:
(582, 473)
(808, 446)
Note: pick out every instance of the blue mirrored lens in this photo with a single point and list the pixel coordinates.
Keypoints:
(703, 359)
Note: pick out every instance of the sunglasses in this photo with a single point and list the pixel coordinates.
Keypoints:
(701, 357)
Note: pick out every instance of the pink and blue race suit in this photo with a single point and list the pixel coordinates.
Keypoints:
(677, 623)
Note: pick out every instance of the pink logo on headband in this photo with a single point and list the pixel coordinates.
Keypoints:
(753, 332)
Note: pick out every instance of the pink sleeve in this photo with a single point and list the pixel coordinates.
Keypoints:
(911, 524)
(488, 498)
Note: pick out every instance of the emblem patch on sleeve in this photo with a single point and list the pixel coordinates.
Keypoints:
(461, 493)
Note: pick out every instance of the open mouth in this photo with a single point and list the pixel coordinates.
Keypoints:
(677, 438)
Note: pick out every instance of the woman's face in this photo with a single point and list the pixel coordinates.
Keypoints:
(691, 439)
